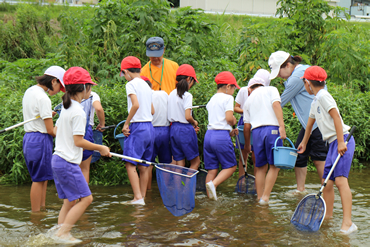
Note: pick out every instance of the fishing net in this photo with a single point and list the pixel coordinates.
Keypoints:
(201, 180)
(177, 188)
(98, 139)
(309, 213)
(246, 185)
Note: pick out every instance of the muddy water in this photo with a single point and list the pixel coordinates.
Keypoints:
(233, 220)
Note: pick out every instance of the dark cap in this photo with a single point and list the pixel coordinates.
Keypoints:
(154, 47)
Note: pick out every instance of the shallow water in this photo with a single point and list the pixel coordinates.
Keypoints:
(233, 220)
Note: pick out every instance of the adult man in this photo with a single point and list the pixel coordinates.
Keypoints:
(285, 66)
(160, 71)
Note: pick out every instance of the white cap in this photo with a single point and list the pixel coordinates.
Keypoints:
(262, 77)
(275, 61)
(57, 72)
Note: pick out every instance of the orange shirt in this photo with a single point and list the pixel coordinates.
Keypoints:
(169, 75)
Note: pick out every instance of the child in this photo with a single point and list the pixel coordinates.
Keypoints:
(183, 137)
(69, 143)
(325, 110)
(218, 147)
(38, 140)
(91, 104)
(140, 136)
(262, 76)
(162, 147)
(263, 113)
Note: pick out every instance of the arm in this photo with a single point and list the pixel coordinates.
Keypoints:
(302, 146)
(342, 148)
(82, 143)
(230, 119)
(279, 115)
(189, 118)
(49, 126)
(238, 109)
(100, 113)
(293, 86)
(134, 108)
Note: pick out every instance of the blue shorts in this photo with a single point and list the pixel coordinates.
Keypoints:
(263, 141)
(69, 180)
(240, 123)
(162, 146)
(344, 164)
(140, 143)
(184, 141)
(89, 135)
(37, 151)
(218, 148)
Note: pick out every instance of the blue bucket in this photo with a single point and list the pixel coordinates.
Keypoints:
(121, 137)
(241, 135)
(285, 157)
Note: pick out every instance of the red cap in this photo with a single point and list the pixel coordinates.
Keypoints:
(315, 73)
(226, 77)
(130, 62)
(77, 75)
(187, 70)
(144, 78)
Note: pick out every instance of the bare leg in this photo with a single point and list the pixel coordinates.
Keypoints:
(270, 182)
(85, 168)
(260, 179)
(67, 205)
(320, 165)
(328, 195)
(194, 163)
(254, 163)
(241, 168)
(346, 198)
(144, 177)
(181, 163)
(300, 175)
(210, 176)
(43, 196)
(150, 175)
(73, 214)
(223, 175)
(37, 195)
(134, 180)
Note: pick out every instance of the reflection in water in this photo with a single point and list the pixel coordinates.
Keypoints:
(232, 220)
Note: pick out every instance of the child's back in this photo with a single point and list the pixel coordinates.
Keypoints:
(140, 88)
(177, 106)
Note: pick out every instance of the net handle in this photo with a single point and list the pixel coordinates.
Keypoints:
(336, 162)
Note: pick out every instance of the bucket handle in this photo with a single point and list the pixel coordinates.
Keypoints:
(286, 139)
(116, 128)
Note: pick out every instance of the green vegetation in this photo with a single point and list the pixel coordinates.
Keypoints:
(34, 38)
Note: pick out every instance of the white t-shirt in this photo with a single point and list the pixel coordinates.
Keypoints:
(36, 102)
(217, 107)
(160, 104)
(143, 93)
(242, 96)
(95, 97)
(258, 110)
(322, 103)
(177, 106)
(72, 121)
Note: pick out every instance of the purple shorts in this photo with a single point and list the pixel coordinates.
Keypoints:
(69, 180)
(218, 148)
(263, 141)
(162, 146)
(89, 135)
(184, 141)
(140, 143)
(344, 164)
(37, 151)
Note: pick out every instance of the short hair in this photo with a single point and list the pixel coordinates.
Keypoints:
(293, 60)
(255, 86)
(316, 83)
(45, 80)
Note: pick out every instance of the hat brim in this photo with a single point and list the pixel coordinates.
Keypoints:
(157, 53)
(274, 73)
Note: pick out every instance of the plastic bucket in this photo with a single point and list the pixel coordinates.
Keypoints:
(284, 157)
(241, 135)
(121, 137)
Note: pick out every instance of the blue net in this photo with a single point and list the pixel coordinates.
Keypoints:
(98, 139)
(177, 188)
(246, 185)
(309, 213)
